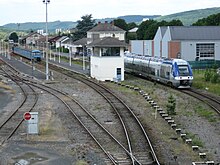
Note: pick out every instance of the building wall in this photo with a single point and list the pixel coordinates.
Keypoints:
(217, 50)
(105, 68)
(174, 49)
(157, 44)
(142, 47)
(118, 35)
(33, 38)
(165, 40)
(188, 49)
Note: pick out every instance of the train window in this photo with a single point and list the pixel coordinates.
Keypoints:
(183, 70)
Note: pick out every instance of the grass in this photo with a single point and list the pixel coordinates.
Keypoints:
(200, 83)
(195, 140)
(205, 113)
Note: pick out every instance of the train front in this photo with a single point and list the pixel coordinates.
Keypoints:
(183, 76)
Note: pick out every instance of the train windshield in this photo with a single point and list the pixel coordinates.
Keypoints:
(183, 70)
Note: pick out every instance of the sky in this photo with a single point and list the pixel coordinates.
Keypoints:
(20, 11)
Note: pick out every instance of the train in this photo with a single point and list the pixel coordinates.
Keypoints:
(173, 72)
(35, 55)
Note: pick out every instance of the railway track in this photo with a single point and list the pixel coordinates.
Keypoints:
(211, 100)
(127, 152)
(138, 142)
(12, 122)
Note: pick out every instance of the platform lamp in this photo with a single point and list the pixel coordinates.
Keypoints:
(47, 71)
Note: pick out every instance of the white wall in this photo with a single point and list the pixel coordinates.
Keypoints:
(217, 50)
(157, 46)
(141, 47)
(104, 68)
(118, 35)
(165, 40)
(188, 49)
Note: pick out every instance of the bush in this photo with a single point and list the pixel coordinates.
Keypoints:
(214, 78)
(171, 105)
(208, 75)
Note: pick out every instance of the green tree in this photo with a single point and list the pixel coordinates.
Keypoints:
(83, 26)
(212, 20)
(13, 36)
(148, 29)
(171, 105)
(142, 29)
(131, 25)
(121, 24)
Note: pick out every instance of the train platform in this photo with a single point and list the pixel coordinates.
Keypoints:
(73, 67)
(27, 69)
(24, 68)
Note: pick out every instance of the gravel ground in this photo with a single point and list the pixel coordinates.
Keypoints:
(57, 144)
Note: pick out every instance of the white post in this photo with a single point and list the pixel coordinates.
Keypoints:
(83, 59)
(70, 55)
(50, 53)
(59, 52)
(47, 70)
(5, 50)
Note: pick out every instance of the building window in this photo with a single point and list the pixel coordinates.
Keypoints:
(110, 51)
(205, 51)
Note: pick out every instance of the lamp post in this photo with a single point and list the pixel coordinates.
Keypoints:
(47, 71)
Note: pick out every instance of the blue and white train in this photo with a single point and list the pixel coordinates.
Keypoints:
(173, 72)
(35, 55)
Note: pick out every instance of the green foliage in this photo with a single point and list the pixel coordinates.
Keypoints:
(171, 105)
(200, 83)
(83, 26)
(195, 140)
(131, 25)
(63, 50)
(143, 29)
(215, 77)
(212, 20)
(207, 75)
(121, 24)
(205, 113)
(190, 17)
(211, 76)
(131, 36)
(148, 29)
(13, 36)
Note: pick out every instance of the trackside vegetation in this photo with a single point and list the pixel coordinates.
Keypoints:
(208, 80)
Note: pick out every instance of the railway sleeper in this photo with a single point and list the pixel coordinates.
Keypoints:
(188, 141)
(173, 126)
(204, 163)
(195, 148)
(178, 130)
(202, 155)
(168, 118)
(163, 115)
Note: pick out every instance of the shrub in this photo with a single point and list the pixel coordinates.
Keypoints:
(171, 105)
(208, 75)
(214, 78)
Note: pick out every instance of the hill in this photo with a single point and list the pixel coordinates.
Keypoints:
(187, 17)
(190, 17)
(41, 25)
(68, 24)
